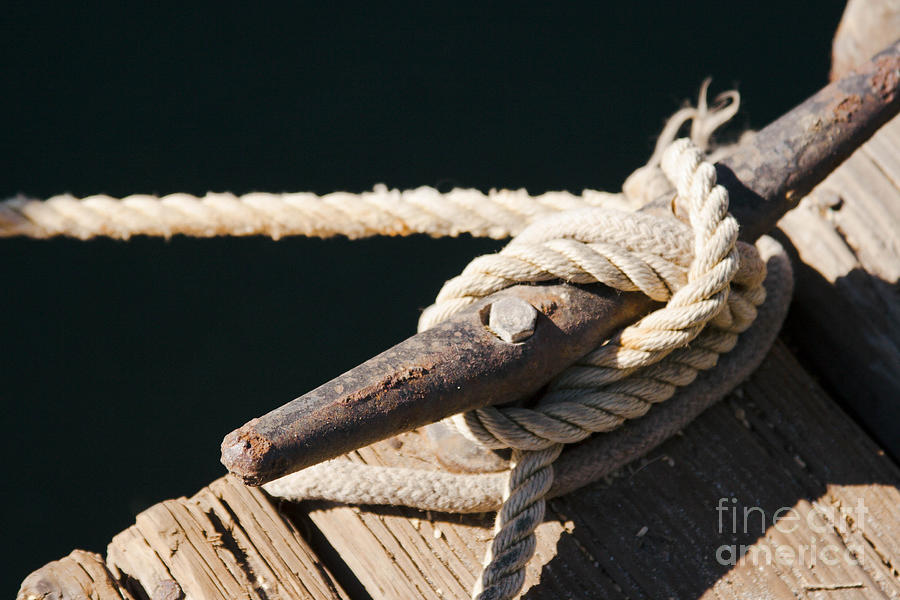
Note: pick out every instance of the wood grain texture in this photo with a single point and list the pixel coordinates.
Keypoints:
(671, 525)
(79, 575)
(652, 530)
(227, 541)
(845, 320)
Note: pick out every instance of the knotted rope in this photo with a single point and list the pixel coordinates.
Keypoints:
(642, 365)
(711, 284)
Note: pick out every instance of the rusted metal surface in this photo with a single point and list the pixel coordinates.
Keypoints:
(456, 366)
(769, 175)
(460, 365)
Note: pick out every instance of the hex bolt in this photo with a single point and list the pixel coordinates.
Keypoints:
(512, 319)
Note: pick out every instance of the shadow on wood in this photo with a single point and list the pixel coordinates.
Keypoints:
(667, 526)
(844, 239)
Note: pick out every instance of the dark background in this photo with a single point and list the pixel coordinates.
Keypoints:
(125, 363)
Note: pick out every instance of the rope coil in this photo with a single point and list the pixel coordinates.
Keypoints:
(712, 285)
(642, 365)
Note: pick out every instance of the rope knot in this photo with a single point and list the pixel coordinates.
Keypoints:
(711, 285)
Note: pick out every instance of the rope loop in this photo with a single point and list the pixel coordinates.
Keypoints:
(711, 285)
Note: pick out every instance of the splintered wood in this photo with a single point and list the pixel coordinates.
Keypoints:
(228, 541)
(79, 575)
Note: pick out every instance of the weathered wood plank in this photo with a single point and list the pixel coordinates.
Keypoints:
(845, 320)
(660, 528)
(847, 235)
(133, 562)
(652, 531)
(780, 446)
(270, 548)
(81, 574)
(227, 541)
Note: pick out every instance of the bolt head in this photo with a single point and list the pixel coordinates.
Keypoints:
(512, 319)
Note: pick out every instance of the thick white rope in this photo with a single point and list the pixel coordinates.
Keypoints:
(343, 481)
(623, 377)
(381, 211)
(702, 273)
(691, 267)
(497, 214)
(700, 270)
(711, 286)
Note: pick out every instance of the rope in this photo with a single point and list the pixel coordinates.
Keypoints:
(381, 211)
(640, 366)
(342, 481)
(498, 214)
(699, 269)
(711, 284)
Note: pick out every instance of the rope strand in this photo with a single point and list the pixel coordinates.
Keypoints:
(381, 211)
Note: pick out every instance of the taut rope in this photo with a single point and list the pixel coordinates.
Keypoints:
(498, 214)
(382, 211)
